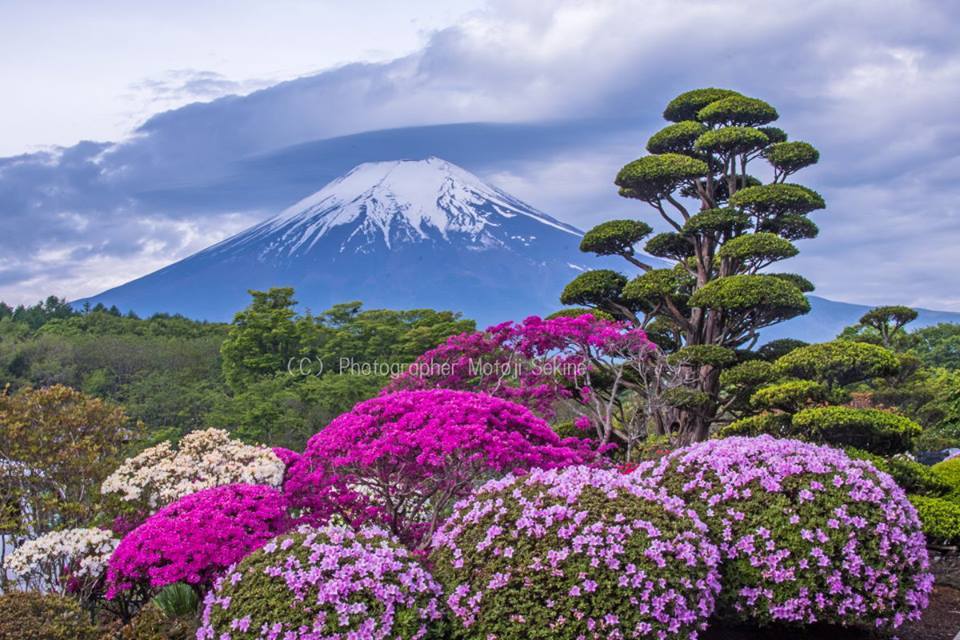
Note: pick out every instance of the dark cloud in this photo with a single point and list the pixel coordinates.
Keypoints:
(574, 90)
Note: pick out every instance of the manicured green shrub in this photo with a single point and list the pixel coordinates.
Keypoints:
(577, 553)
(876, 431)
(152, 623)
(915, 478)
(791, 395)
(940, 518)
(839, 363)
(28, 615)
(949, 470)
(805, 533)
(333, 583)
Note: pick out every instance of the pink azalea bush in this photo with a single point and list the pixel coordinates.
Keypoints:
(331, 583)
(197, 537)
(575, 554)
(806, 533)
(538, 363)
(404, 458)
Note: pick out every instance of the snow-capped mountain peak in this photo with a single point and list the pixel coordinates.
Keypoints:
(401, 202)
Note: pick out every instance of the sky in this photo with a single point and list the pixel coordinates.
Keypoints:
(135, 135)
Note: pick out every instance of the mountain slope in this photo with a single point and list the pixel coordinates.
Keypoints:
(401, 234)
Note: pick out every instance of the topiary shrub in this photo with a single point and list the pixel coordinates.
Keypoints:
(940, 518)
(195, 538)
(875, 430)
(29, 615)
(805, 533)
(332, 583)
(404, 458)
(912, 476)
(577, 553)
(152, 623)
(949, 471)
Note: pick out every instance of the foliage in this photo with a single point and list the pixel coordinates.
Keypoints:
(203, 459)
(839, 363)
(875, 430)
(332, 583)
(776, 348)
(30, 615)
(578, 553)
(56, 446)
(197, 537)
(177, 599)
(405, 457)
(949, 470)
(913, 477)
(939, 345)
(805, 533)
(940, 518)
(576, 364)
(152, 623)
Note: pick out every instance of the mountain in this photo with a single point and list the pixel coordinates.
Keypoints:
(409, 234)
(400, 234)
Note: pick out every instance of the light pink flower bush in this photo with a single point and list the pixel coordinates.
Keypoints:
(331, 583)
(575, 554)
(404, 458)
(197, 537)
(806, 534)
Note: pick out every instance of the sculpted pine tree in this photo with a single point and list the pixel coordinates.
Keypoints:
(726, 228)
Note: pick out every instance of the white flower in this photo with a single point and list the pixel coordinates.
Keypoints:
(41, 562)
(160, 475)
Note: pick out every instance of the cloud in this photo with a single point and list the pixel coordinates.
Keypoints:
(575, 89)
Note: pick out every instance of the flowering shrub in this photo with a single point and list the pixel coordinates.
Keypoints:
(45, 562)
(28, 615)
(578, 553)
(544, 363)
(195, 538)
(161, 474)
(404, 458)
(806, 534)
(331, 583)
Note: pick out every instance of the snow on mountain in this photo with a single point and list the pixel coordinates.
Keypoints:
(400, 234)
(403, 201)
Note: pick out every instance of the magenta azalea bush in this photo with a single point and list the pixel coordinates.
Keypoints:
(806, 533)
(197, 537)
(537, 363)
(575, 554)
(404, 458)
(331, 583)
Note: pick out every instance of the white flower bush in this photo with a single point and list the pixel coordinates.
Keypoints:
(204, 459)
(42, 563)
